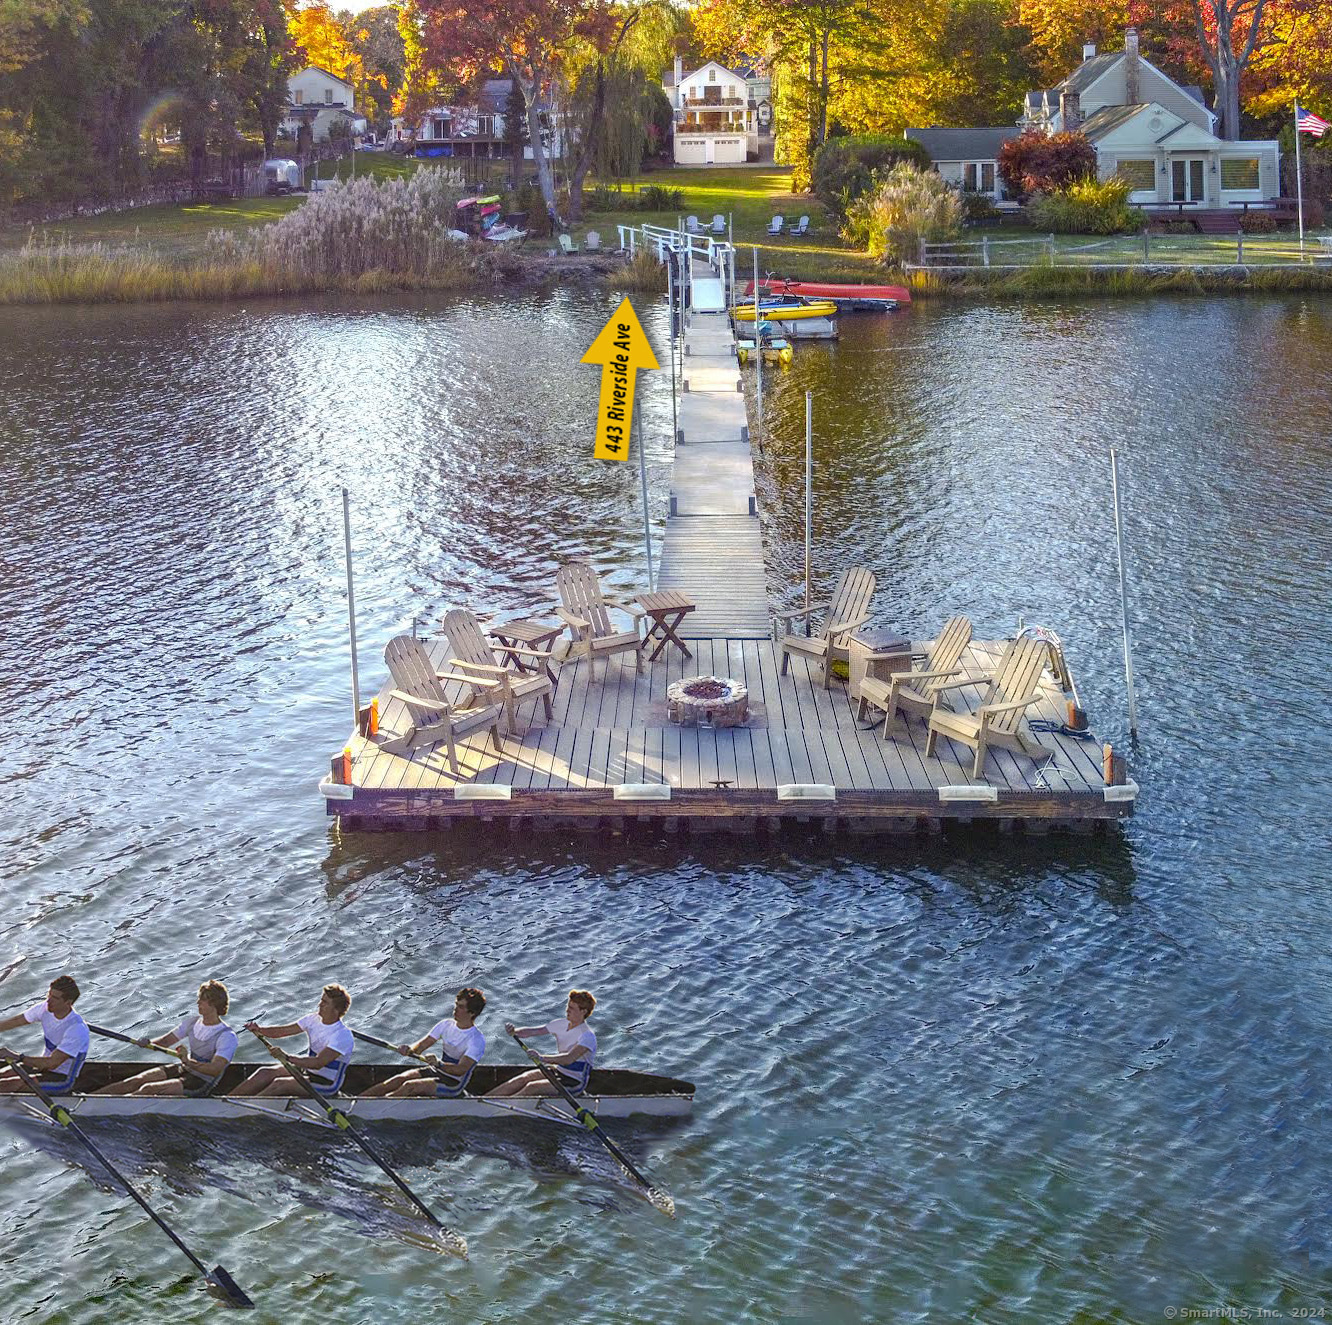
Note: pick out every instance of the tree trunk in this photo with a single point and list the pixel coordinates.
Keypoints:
(1224, 61)
(811, 102)
(545, 177)
(588, 148)
(823, 92)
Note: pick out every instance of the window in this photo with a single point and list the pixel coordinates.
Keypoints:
(485, 125)
(328, 96)
(1141, 174)
(1239, 172)
(712, 75)
(978, 177)
(298, 96)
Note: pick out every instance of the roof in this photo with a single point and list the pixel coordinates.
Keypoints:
(1088, 72)
(328, 73)
(963, 144)
(1101, 122)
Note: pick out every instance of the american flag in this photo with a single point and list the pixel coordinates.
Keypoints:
(1307, 122)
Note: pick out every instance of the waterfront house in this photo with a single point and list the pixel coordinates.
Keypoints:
(969, 158)
(1156, 133)
(720, 115)
(475, 129)
(321, 99)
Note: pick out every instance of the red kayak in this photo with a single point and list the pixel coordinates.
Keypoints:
(897, 294)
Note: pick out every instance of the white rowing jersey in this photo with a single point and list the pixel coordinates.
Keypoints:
(69, 1034)
(208, 1042)
(568, 1037)
(323, 1036)
(458, 1043)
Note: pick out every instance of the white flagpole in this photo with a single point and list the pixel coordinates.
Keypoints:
(1299, 178)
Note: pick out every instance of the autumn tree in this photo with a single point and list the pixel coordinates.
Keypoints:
(1034, 162)
(324, 42)
(374, 37)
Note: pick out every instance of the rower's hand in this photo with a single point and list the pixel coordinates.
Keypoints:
(404, 1049)
(144, 1042)
(251, 1025)
(510, 1027)
(432, 1059)
(180, 1053)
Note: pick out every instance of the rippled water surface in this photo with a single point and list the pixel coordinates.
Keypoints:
(995, 1080)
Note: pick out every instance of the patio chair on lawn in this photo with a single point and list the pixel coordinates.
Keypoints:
(567, 246)
(592, 244)
(775, 226)
(472, 655)
(432, 715)
(586, 611)
(914, 691)
(801, 227)
(692, 225)
(845, 611)
(718, 224)
(1012, 689)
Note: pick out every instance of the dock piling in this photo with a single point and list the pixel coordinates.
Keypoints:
(351, 608)
(809, 498)
(1123, 595)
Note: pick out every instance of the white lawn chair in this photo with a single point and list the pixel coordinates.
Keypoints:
(718, 224)
(801, 227)
(775, 226)
(592, 244)
(567, 246)
(692, 225)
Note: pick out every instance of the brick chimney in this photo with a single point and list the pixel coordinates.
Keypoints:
(1088, 51)
(1131, 85)
(1070, 110)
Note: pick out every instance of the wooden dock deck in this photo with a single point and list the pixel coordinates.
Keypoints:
(609, 754)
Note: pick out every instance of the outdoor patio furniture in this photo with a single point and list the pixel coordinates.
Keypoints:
(432, 715)
(845, 611)
(592, 244)
(914, 691)
(800, 228)
(567, 246)
(692, 225)
(718, 224)
(1012, 689)
(775, 226)
(472, 655)
(586, 611)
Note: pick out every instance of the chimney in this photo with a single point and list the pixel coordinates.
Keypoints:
(1131, 89)
(1088, 51)
(1070, 110)
(679, 70)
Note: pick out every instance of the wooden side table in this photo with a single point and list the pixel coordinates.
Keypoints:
(665, 609)
(876, 653)
(513, 636)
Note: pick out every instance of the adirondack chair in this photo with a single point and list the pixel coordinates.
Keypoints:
(567, 246)
(845, 611)
(432, 715)
(586, 612)
(592, 244)
(718, 224)
(472, 655)
(692, 225)
(801, 227)
(775, 226)
(1011, 691)
(914, 691)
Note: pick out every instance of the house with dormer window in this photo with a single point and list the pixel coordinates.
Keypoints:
(320, 99)
(1145, 127)
(719, 113)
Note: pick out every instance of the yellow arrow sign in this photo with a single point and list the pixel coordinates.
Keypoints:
(621, 348)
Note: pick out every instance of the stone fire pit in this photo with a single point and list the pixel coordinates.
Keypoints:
(707, 701)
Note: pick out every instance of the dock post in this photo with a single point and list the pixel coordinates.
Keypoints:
(1123, 596)
(758, 355)
(809, 502)
(351, 609)
(647, 517)
(670, 300)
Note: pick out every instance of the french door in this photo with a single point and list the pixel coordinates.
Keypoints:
(1186, 179)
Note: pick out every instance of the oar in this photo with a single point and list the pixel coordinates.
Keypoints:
(656, 1196)
(448, 1239)
(217, 1279)
(420, 1058)
(129, 1039)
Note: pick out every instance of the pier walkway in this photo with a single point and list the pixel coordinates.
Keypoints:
(609, 754)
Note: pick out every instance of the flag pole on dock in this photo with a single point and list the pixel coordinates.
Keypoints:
(1299, 177)
(351, 609)
(647, 519)
(758, 353)
(670, 300)
(809, 498)
(1123, 595)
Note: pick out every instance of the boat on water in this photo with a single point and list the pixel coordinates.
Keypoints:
(793, 311)
(612, 1093)
(870, 297)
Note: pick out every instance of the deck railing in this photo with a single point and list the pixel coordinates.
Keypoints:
(1117, 251)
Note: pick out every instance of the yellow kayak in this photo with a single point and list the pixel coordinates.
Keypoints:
(786, 312)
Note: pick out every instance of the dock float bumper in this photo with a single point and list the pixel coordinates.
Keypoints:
(1127, 791)
(642, 791)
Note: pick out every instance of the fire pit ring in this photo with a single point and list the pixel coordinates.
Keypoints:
(707, 701)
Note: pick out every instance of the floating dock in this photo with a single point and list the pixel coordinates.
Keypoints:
(609, 756)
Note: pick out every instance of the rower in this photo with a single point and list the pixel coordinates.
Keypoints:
(331, 1046)
(575, 1050)
(461, 1047)
(65, 1035)
(207, 1046)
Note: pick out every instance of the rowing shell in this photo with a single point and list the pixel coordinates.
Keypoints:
(612, 1093)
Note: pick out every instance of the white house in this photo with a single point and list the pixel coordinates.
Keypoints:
(475, 129)
(716, 121)
(320, 99)
(1144, 126)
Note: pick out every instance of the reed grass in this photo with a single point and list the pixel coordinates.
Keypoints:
(1043, 281)
(642, 272)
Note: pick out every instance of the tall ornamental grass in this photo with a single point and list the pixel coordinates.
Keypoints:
(1087, 207)
(908, 207)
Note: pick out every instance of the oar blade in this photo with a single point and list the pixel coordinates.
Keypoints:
(451, 1243)
(223, 1286)
(661, 1200)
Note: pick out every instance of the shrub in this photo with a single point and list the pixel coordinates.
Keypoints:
(845, 168)
(659, 198)
(641, 272)
(1258, 223)
(1087, 207)
(908, 207)
(1034, 162)
(600, 199)
(1314, 215)
(978, 207)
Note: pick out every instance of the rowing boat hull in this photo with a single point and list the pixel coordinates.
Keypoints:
(614, 1093)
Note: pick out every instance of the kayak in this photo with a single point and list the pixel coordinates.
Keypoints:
(612, 1093)
(830, 290)
(793, 312)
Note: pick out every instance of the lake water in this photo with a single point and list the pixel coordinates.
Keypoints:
(969, 1078)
